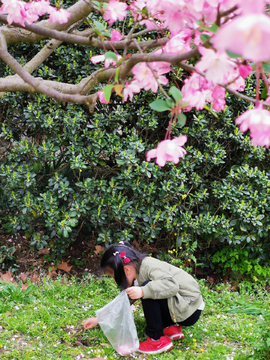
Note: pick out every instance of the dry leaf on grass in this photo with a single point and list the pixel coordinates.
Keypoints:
(7, 277)
(23, 277)
(78, 343)
(107, 345)
(64, 266)
(98, 250)
(34, 278)
(24, 286)
(52, 274)
(44, 251)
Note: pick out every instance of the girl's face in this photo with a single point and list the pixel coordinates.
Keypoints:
(129, 270)
(109, 271)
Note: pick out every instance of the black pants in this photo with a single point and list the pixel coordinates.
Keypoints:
(157, 316)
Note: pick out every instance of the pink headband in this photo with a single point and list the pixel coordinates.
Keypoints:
(123, 256)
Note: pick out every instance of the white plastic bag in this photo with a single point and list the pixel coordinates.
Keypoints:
(117, 322)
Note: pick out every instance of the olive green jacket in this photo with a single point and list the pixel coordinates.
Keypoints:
(172, 283)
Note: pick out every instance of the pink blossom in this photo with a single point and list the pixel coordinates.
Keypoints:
(97, 58)
(142, 73)
(244, 70)
(219, 104)
(15, 11)
(196, 99)
(34, 9)
(261, 138)
(136, 11)
(161, 67)
(195, 91)
(39, 7)
(168, 150)
(116, 10)
(149, 78)
(101, 97)
(21, 12)
(251, 6)
(116, 36)
(258, 122)
(236, 82)
(130, 89)
(207, 8)
(178, 44)
(197, 37)
(247, 36)
(216, 65)
(107, 62)
(169, 13)
(200, 4)
(150, 24)
(136, 8)
(218, 96)
(59, 15)
(176, 16)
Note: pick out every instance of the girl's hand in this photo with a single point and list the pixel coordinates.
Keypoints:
(90, 323)
(134, 292)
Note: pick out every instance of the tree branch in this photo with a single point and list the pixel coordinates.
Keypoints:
(42, 55)
(42, 32)
(38, 85)
(38, 59)
(16, 83)
(171, 58)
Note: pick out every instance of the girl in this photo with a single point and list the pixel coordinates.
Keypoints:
(170, 296)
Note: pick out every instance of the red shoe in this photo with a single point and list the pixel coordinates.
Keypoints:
(174, 332)
(151, 346)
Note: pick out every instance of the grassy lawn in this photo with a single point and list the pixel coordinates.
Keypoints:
(44, 322)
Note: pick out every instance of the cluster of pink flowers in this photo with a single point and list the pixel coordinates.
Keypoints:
(246, 34)
(168, 150)
(216, 65)
(258, 122)
(250, 34)
(197, 91)
(218, 69)
(176, 15)
(149, 75)
(115, 11)
(146, 76)
(21, 12)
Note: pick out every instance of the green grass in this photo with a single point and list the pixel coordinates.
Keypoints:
(45, 323)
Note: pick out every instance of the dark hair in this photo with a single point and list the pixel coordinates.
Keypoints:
(116, 263)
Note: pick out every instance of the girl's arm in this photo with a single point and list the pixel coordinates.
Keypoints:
(90, 323)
